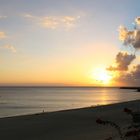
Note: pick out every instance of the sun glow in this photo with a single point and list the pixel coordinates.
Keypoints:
(101, 76)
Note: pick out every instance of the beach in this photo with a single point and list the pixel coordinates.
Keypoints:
(75, 124)
(69, 70)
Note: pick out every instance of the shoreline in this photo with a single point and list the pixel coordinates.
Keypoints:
(65, 110)
(74, 124)
(66, 99)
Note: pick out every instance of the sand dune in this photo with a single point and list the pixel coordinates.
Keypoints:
(77, 124)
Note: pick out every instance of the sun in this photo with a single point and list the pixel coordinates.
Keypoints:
(101, 76)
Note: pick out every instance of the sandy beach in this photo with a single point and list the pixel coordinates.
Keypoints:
(76, 124)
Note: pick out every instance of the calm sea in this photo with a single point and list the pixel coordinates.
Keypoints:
(19, 101)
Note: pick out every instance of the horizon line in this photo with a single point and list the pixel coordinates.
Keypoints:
(46, 86)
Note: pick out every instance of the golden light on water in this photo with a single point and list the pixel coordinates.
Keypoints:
(102, 76)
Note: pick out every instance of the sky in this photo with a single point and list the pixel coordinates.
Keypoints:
(68, 42)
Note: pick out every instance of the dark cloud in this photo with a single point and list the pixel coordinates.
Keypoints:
(130, 78)
(136, 72)
(123, 60)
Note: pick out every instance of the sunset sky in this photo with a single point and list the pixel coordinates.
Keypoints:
(67, 42)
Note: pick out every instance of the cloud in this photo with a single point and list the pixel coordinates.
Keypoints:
(56, 22)
(122, 73)
(3, 35)
(50, 22)
(136, 72)
(123, 60)
(137, 20)
(9, 47)
(131, 78)
(131, 37)
(3, 17)
(53, 22)
(28, 16)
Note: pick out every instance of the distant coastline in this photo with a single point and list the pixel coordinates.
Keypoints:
(129, 87)
(136, 88)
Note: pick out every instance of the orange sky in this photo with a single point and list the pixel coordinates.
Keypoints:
(61, 43)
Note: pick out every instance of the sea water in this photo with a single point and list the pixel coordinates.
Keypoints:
(24, 100)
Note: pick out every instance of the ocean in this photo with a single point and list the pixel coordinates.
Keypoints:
(24, 100)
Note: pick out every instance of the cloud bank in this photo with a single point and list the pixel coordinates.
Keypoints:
(127, 76)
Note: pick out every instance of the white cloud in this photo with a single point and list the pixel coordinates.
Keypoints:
(28, 16)
(3, 17)
(53, 22)
(50, 22)
(131, 37)
(137, 20)
(3, 35)
(9, 47)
